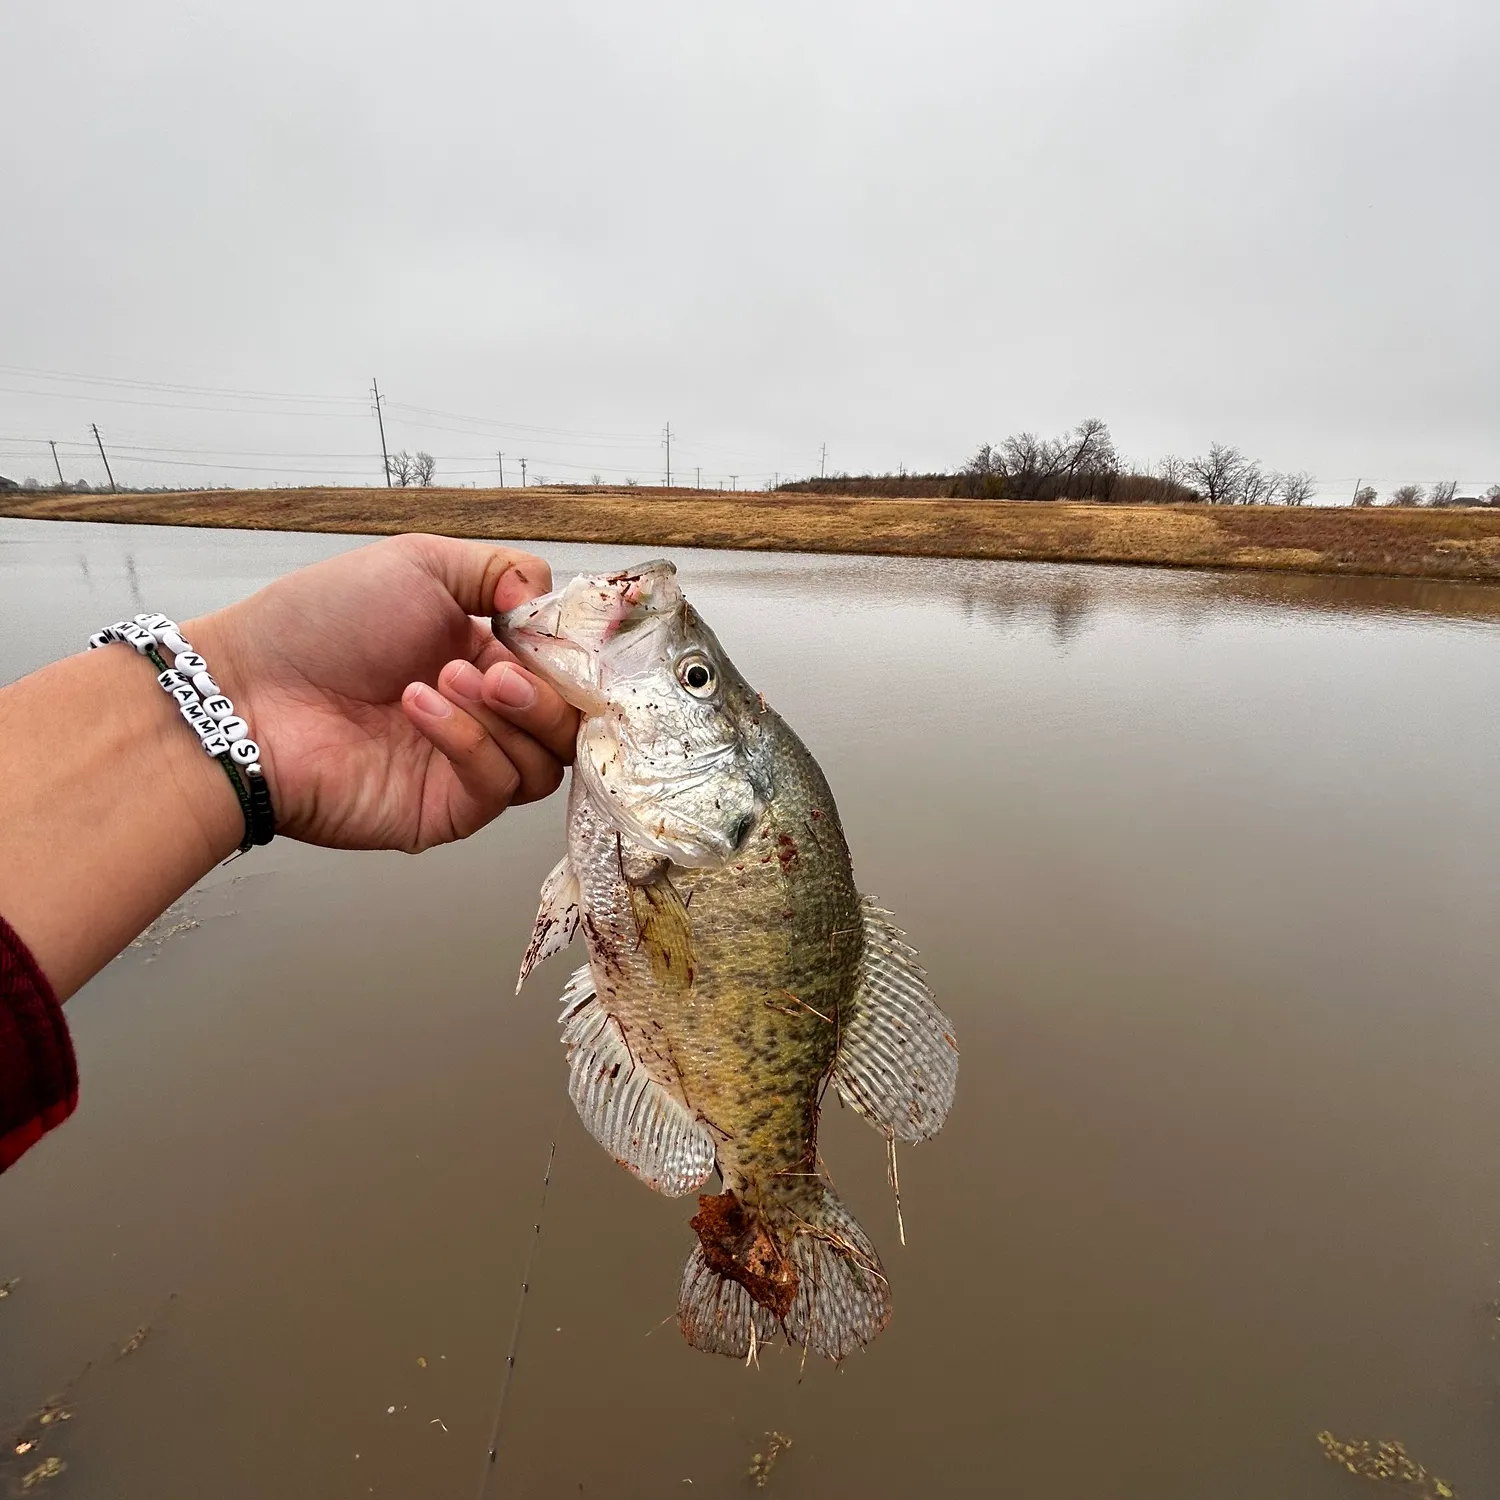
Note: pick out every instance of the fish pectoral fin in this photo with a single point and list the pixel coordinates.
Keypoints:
(897, 1061)
(622, 1106)
(556, 918)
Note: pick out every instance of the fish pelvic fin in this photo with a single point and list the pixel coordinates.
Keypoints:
(622, 1106)
(818, 1282)
(897, 1061)
(556, 919)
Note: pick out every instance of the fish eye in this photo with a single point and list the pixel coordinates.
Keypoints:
(697, 675)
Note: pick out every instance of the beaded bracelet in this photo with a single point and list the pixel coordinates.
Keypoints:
(224, 735)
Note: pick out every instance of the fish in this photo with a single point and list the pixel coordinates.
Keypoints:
(734, 971)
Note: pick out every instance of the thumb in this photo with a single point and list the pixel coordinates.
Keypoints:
(482, 578)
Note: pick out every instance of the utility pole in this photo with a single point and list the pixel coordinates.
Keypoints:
(698, 480)
(776, 480)
(501, 457)
(823, 462)
(669, 455)
(60, 480)
(385, 457)
(104, 456)
(523, 473)
(734, 481)
(1358, 486)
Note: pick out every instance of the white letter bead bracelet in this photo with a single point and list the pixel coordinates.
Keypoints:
(209, 714)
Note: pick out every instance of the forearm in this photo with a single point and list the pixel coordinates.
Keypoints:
(109, 809)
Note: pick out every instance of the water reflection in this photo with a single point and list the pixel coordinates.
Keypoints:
(1068, 593)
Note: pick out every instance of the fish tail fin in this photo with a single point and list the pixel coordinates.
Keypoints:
(843, 1298)
(816, 1280)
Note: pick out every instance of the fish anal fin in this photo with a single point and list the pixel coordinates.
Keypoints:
(556, 918)
(897, 1061)
(622, 1106)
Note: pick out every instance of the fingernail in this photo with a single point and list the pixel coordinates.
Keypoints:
(466, 680)
(510, 686)
(426, 701)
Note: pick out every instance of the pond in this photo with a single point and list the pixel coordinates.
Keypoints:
(1206, 870)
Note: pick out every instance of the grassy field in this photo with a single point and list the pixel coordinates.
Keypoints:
(1460, 544)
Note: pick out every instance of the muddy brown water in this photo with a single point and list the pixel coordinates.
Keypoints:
(1206, 868)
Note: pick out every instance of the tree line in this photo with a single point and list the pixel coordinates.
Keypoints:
(1084, 464)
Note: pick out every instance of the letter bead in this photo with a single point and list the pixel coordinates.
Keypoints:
(170, 679)
(236, 729)
(217, 706)
(216, 744)
(142, 640)
(99, 638)
(190, 664)
(244, 752)
(162, 631)
(184, 695)
(173, 642)
(205, 685)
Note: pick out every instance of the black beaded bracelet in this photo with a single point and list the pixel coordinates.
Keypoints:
(224, 735)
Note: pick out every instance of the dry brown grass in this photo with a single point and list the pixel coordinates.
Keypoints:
(1411, 543)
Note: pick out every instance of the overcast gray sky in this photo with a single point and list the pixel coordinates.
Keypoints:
(897, 228)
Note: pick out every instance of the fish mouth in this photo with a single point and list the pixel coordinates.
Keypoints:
(560, 636)
(532, 633)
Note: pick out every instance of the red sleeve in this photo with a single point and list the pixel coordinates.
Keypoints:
(38, 1075)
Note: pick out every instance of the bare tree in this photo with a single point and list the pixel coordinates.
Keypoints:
(1296, 489)
(1081, 465)
(402, 468)
(423, 467)
(1365, 495)
(1492, 495)
(1408, 494)
(1442, 492)
(596, 479)
(1218, 476)
(1257, 486)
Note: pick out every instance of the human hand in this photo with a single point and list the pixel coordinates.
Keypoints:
(334, 666)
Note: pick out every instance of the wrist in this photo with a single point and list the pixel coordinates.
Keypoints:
(168, 755)
(219, 641)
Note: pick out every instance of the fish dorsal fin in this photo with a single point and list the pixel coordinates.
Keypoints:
(556, 918)
(897, 1060)
(622, 1106)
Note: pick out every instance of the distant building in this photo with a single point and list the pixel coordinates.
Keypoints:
(8, 484)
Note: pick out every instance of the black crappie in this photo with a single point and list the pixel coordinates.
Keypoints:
(733, 968)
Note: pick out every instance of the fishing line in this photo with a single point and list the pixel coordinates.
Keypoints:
(515, 1332)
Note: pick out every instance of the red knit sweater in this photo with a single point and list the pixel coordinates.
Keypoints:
(38, 1074)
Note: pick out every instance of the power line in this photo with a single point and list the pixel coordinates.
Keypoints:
(173, 386)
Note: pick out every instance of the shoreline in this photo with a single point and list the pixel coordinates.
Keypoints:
(1453, 544)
